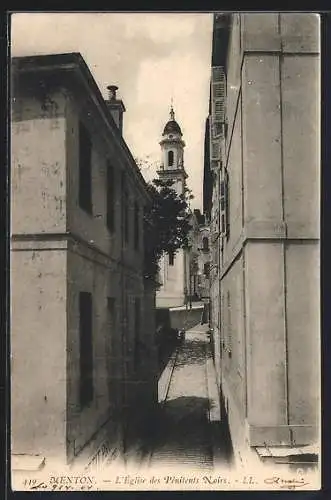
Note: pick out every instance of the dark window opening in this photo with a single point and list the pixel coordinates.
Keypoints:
(125, 210)
(85, 169)
(111, 312)
(136, 226)
(110, 198)
(206, 269)
(170, 158)
(171, 258)
(137, 346)
(205, 244)
(86, 349)
(110, 335)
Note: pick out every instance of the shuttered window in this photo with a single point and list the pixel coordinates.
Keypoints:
(125, 210)
(225, 205)
(218, 92)
(222, 206)
(110, 198)
(85, 348)
(136, 226)
(215, 149)
(85, 169)
(137, 328)
(229, 325)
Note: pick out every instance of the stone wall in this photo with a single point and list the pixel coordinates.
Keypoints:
(185, 319)
(58, 251)
(269, 342)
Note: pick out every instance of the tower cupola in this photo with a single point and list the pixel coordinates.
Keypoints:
(172, 126)
(172, 150)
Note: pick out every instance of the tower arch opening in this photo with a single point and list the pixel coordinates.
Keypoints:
(170, 158)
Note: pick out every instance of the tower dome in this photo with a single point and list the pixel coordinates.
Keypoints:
(172, 126)
(172, 150)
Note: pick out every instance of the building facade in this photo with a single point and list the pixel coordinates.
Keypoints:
(173, 267)
(198, 258)
(261, 196)
(82, 316)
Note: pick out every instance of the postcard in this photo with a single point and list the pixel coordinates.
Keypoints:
(164, 274)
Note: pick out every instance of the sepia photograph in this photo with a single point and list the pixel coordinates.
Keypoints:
(165, 251)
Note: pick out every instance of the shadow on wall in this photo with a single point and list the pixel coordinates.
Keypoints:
(166, 338)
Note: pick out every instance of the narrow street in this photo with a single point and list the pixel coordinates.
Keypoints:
(187, 431)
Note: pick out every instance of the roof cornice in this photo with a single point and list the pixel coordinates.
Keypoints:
(73, 63)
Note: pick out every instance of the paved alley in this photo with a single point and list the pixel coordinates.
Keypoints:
(184, 434)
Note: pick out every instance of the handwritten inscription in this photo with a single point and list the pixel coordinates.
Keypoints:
(289, 483)
(62, 483)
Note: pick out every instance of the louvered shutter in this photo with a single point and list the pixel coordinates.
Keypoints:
(224, 206)
(218, 97)
(215, 148)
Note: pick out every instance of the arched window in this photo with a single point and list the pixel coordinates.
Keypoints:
(205, 244)
(170, 158)
(206, 269)
(171, 258)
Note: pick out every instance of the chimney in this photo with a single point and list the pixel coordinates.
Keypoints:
(115, 106)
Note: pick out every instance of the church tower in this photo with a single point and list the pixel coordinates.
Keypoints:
(173, 270)
(172, 149)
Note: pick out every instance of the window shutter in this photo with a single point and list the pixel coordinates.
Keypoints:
(224, 206)
(218, 95)
(229, 325)
(86, 387)
(214, 146)
(227, 205)
(215, 150)
(85, 169)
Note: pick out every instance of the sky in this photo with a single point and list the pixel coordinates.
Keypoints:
(152, 57)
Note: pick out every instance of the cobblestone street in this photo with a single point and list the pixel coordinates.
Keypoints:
(183, 435)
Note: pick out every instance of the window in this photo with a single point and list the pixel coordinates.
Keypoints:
(111, 313)
(137, 344)
(206, 269)
(110, 198)
(171, 258)
(85, 169)
(86, 349)
(225, 206)
(125, 210)
(170, 158)
(215, 149)
(136, 225)
(205, 244)
(111, 333)
(229, 325)
(218, 94)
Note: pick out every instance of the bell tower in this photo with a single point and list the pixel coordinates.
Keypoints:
(172, 155)
(173, 267)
